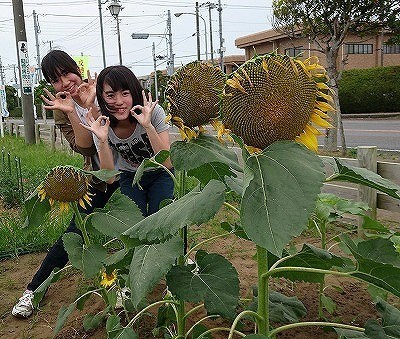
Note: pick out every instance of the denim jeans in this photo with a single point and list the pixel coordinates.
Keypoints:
(57, 256)
(156, 185)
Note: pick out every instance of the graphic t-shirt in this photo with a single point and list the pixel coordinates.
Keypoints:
(132, 150)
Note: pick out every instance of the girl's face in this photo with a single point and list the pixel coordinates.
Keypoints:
(119, 102)
(68, 82)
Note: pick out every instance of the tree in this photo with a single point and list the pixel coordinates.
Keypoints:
(12, 97)
(327, 23)
(38, 92)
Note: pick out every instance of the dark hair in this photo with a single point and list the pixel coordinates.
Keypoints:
(57, 62)
(118, 78)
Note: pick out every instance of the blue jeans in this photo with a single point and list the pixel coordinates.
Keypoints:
(156, 185)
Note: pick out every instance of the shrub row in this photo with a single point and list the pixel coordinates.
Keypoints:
(370, 90)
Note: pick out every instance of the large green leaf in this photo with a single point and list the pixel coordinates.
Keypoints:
(197, 152)
(42, 288)
(212, 170)
(364, 177)
(216, 282)
(195, 207)
(62, 317)
(153, 162)
(349, 334)
(103, 174)
(73, 244)
(312, 257)
(92, 259)
(371, 269)
(282, 184)
(118, 215)
(149, 264)
(390, 323)
(282, 309)
(36, 210)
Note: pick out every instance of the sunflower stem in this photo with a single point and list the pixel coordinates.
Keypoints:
(80, 223)
(263, 292)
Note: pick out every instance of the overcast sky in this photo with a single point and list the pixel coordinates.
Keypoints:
(73, 25)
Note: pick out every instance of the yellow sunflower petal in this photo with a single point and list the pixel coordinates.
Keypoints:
(234, 83)
(316, 119)
(325, 96)
(311, 129)
(82, 204)
(324, 106)
(304, 139)
(321, 114)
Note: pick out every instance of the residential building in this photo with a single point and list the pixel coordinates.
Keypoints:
(358, 52)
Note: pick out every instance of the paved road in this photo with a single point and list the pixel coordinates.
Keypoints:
(383, 133)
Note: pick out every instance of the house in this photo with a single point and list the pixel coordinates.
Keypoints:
(358, 52)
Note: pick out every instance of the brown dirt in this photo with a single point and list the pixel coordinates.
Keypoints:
(354, 305)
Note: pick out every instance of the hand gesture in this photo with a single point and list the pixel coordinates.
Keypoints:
(97, 126)
(61, 101)
(144, 118)
(87, 91)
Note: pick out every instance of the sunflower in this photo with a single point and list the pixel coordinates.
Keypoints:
(276, 97)
(65, 184)
(193, 94)
(108, 279)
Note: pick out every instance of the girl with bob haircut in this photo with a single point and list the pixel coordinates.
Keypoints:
(131, 128)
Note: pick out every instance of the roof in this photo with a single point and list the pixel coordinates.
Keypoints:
(259, 38)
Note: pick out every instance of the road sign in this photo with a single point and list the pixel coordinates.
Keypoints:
(24, 69)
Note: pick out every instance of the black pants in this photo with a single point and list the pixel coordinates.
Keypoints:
(57, 256)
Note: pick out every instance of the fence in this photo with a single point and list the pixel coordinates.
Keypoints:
(12, 187)
(366, 158)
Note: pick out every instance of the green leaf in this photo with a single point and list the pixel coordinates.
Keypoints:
(92, 259)
(364, 177)
(209, 283)
(255, 336)
(212, 170)
(118, 215)
(282, 309)
(312, 257)
(73, 244)
(153, 162)
(195, 207)
(383, 275)
(92, 321)
(376, 292)
(62, 317)
(198, 330)
(149, 264)
(126, 333)
(328, 303)
(103, 174)
(380, 250)
(42, 288)
(349, 334)
(36, 210)
(203, 150)
(282, 184)
(370, 224)
(237, 229)
(113, 324)
(390, 323)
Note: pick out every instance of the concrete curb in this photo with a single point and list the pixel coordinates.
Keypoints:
(371, 115)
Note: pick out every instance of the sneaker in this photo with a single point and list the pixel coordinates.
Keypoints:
(122, 295)
(24, 307)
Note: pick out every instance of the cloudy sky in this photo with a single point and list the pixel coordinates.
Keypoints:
(73, 25)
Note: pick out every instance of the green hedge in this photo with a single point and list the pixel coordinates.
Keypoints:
(370, 90)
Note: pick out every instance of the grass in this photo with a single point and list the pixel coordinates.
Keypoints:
(36, 161)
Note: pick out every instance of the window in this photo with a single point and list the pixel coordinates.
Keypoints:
(391, 49)
(358, 48)
(294, 51)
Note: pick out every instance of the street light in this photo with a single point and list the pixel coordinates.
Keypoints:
(198, 33)
(114, 8)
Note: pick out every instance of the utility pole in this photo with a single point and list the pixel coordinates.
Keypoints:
(170, 70)
(24, 75)
(155, 71)
(3, 82)
(210, 7)
(221, 39)
(198, 31)
(50, 42)
(37, 31)
(102, 34)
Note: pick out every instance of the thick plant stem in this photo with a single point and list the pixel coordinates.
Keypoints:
(320, 307)
(314, 323)
(180, 319)
(79, 222)
(240, 316)
(263, 292)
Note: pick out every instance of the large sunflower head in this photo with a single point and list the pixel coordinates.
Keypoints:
(65, 184)
(276, 97)
(193, 94)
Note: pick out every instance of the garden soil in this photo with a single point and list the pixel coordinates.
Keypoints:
(354, 305)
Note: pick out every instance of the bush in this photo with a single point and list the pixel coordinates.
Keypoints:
(370, 90)
(16, 112)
